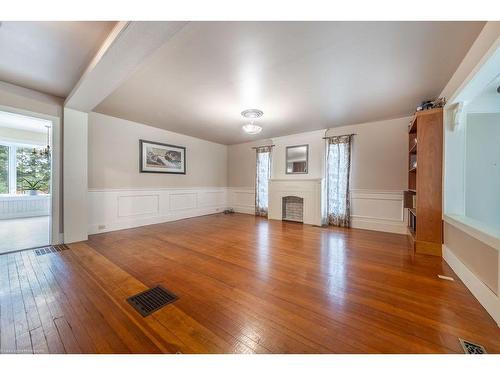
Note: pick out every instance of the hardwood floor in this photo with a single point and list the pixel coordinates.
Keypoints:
(246, 285)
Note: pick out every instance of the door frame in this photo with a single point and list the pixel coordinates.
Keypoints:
(55, 219)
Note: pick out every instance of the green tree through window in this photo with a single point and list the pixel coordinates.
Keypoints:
(32, 167)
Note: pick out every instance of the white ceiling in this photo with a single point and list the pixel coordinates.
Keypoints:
(303, 75)
(48, 56)
(21, 122)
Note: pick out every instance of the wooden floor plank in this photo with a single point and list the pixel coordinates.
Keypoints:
(7, 326)
(245, 285)
(49, 330)
(21, 325)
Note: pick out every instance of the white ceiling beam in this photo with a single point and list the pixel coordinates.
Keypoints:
(128, 44)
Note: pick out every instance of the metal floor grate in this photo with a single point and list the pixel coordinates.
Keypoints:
(50, 249)
(151, 300)
(472, 348)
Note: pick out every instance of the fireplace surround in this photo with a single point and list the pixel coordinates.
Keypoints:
(309, 191)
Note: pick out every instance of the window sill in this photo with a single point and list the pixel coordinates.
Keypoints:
(22, 196)
(476, 229)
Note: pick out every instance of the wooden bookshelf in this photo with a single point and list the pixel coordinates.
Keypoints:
(424, 195)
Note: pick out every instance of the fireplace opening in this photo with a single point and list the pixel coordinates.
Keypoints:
(293, 208)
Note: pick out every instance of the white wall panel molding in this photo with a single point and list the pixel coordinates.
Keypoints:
(242, 199)
(380, 210)
(114, 209)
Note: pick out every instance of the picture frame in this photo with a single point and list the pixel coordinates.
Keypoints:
(156, 157)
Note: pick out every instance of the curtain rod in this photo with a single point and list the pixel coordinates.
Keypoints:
(262, 147)
(342, 135)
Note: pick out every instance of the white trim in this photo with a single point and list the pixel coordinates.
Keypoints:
(241, 199)
(489, 300)
(55, 134)
(367, 207)
(12, 169)
(381, 225)
(371, 206)
(106, 190)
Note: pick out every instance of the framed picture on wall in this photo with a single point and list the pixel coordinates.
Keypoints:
(161, 158)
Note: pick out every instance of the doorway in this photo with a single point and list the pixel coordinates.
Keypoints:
(26, 181)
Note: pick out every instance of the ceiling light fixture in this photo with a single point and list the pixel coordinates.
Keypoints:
(252, 114)
(44, 152)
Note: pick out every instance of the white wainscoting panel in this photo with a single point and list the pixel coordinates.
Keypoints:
(114, 209)
(183, 201)
(242, 200)
(133, 205)
(378, 210)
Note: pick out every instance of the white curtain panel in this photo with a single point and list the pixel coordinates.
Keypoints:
(263, 173)
(338, 172)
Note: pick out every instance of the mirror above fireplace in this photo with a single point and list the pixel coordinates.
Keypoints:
(297, 159)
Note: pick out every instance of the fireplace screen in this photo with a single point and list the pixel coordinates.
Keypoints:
(293, 208)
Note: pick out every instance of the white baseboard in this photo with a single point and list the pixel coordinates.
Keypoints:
(250, 210)
(489, 300)
(139, 222)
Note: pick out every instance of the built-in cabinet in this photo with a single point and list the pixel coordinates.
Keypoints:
(424, 197)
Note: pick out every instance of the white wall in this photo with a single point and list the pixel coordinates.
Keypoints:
(114, 157)
(30, 100)
(22, 136)
(122, 197)
(482, 176)
(378, 178)
(471, 251)
(316, 165)
(75, 178)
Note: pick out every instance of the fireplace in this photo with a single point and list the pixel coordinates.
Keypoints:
(308, 190)
(293, 208)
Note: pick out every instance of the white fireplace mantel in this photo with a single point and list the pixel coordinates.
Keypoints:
(311, 190)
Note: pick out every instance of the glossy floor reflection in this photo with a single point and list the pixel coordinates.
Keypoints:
(245, 285)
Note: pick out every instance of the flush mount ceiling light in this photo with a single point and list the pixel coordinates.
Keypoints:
(252, 114)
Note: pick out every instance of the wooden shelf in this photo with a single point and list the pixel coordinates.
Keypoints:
(426, 136)
(413, 149)
(413, 126)
(412, 233)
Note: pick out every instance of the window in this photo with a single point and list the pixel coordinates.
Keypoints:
(4, 169)
(20, 165)
(31, 167)
(338, 171)
(263, 173)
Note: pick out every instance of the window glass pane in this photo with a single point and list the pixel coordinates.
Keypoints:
(4, 169)
(33, 171)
